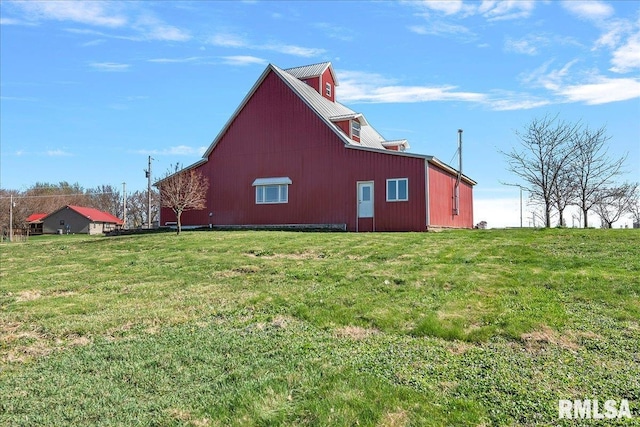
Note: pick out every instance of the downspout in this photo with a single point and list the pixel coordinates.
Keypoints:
(456, 191)
(426, 192)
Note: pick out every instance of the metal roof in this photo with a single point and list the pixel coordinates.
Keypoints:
(314, 70)
(94, 215)
(370, 139)
(36, 217)
(328, 110)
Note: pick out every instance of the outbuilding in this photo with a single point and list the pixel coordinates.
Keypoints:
(81, 220)
(291, 155)
(35, 223)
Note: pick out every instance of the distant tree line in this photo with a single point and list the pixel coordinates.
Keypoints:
(49, 197)
(564, 164)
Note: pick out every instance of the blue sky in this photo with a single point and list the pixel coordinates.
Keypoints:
(90, 89)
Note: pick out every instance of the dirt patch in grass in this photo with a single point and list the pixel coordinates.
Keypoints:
(355, 332)
(536, 341)
(398, 418)
(459, 347)
(293, 256)
(78, 340)
(28, 295)
(187, 417)
(247, 269)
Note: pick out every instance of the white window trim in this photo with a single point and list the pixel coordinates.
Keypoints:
(327, 89)
(263, 183)
(397, 180)
(272, 181)
(355, 122)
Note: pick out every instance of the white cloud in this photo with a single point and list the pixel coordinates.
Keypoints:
(627, 57)
(57, 153)
(364, 87)
(505, 10)
(441, 28)
(108, 14)
(335, 31)
(548, 79)
(178, 150)
(591, 9)
(513, 102)
(602, 90)
(524, 46)
(175, 60)
(237, 41)
(109, 66)
(491, 10)
(228, 40)
(448, 7)
(166, 33)
(97, 13)
(293, 50)
(95, 42)
(373, 88)
(243, 60)
(12, 21)
(589, 88)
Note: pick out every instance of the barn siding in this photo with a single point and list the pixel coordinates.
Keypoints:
(277, 135)
(327, 77)
(441, 204)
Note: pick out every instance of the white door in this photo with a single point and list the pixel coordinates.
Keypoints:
(365, 200)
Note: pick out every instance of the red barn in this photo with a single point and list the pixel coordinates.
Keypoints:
(291, 155)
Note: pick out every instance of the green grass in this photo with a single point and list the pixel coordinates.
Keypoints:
(274, 328)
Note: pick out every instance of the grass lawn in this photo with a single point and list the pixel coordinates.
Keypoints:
(460, 328)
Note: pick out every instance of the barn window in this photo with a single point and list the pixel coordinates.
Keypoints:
(327, 89)
(272, 190)
(355, 129)
(398, 190)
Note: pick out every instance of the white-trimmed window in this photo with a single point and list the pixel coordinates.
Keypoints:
(355, 128)
(327, 89)
(272, 190)
(398, 190)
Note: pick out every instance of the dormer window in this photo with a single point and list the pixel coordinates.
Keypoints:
(355, 129)
(327, 89)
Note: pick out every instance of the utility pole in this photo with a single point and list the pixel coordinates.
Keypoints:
(456, 188)
(11, 218)
(520, 187)
(124, 205)
(148, 174)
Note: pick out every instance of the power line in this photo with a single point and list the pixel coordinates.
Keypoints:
(55, 195)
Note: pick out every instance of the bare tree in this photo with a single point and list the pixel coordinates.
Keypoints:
(634, 208)
(107, 199)
(613, 202)
(592, 168)
(137, 208)
(563, 193)
(545, 151)
(183, 190)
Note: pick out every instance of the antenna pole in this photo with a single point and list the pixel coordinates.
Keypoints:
(11, 218)
(456, 190)
(149, 195)
(124, 205)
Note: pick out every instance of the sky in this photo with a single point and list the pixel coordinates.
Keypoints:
(89, 90)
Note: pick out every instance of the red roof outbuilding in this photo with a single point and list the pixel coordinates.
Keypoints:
(96, 215)
(36, 217)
